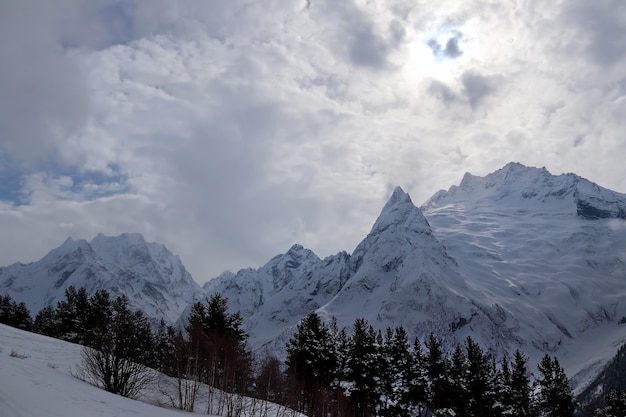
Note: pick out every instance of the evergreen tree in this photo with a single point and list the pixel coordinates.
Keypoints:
(417, 390)
(72, 313)
(496, 382)
(480, 380)
(362, 369)
(165, 348)
(339, 349)
(396, 373)
(311, 364)
(615, 372)
(98, 316)
(519, 391)
(555, 394)
(615, 404)
(46, 322)
(21, 317)
(218, 344)
(613, 382)
(459, 380)
(504, 388)
(6, 305)
(15, 314)
(437, 368)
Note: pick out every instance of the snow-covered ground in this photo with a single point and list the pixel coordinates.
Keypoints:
(36, 379)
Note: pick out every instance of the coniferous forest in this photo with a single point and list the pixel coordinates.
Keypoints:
(328, 371)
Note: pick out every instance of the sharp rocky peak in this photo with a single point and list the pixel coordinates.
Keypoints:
(399, 230)
(400, 212)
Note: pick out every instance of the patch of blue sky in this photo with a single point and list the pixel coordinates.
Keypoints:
(11, 187)
(84, 185)
(91, 185)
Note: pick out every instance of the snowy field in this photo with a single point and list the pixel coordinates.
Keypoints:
(36, 380)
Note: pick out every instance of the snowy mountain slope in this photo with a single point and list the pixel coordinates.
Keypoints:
(153, 279)
(405, 276)
(276, 296)
(549, 250)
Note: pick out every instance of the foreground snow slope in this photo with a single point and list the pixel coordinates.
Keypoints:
(39, 382)
(36, 379)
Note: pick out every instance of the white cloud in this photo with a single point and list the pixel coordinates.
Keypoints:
(229, 130)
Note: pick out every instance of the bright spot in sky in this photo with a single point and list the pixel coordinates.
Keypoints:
(439, 54)
(446, 44)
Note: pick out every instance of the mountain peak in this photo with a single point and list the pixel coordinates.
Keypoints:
(296, 248)
(516, 185)
(399, 211)
(129, 238)
(398, 195)
(154, 279)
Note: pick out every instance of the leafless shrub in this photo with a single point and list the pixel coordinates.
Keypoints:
(113, 373)
(16, 354)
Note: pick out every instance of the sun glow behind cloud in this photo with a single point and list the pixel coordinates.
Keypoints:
(440, 53)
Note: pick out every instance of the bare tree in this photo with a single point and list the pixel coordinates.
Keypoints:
(115, 374)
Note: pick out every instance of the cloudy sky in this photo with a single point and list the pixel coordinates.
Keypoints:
(230, 130)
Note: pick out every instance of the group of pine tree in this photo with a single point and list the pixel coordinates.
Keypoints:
(328, 371)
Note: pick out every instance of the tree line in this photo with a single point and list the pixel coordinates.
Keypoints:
(328, 371)
(368, 373)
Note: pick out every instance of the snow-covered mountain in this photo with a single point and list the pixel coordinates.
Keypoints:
(519, 258)
(548, 252)
(275, 297)
(153, 279)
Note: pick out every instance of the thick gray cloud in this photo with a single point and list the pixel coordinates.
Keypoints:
(600, 27)
(229, 130)
(477, 87)
(43, 94)
(367, 49)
